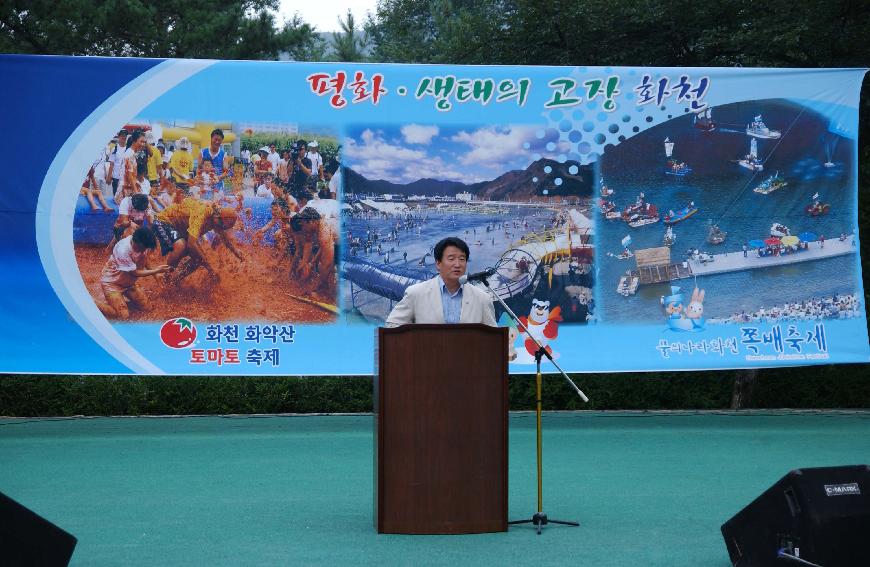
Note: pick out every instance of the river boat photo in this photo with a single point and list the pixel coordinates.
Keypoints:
(627, 285)
(817, 208)
(681, 215)
(638, 220)
(670, 236)
(771, 184)
(673, 166)
(750, 161)
(704, 120)
(715, 235)
(758, 129)
(779, 230)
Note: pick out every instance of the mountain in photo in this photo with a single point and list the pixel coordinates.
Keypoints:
(542, 179)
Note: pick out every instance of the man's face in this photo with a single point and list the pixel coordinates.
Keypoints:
(452, 264)
(272, 148)
(216, 141)
(312, 150)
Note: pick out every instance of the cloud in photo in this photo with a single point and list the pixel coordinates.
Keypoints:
(494, 144)
(375, 157)
(407, 153)
(419, 134)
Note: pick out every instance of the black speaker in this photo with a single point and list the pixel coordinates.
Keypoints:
(27, 539)
(816, 516)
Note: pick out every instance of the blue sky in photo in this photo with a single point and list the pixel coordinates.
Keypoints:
(406, 153)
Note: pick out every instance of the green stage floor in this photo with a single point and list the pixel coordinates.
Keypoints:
(649, 489)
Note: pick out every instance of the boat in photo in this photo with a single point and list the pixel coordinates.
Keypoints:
(605, 191)
(626, 252)
(758, 129)
(670, 236)
(627, 285)
(638, 220)
(641, 214)
(715, 235)
(681, 215)
(624, 255)
(704, 120)
(779, 230)
(830, 140)
(751, 161)
(817, 208)
(672, 166)
(771, 184)
(606, 206)
(640, 206)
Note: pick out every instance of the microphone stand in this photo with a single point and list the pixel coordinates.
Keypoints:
(539, 519)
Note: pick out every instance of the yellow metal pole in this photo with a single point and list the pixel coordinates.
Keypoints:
(540, 442)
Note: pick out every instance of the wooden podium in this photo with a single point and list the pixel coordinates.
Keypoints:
(441, 403)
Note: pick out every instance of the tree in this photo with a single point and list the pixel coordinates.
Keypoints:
(220, 29)
(348, 45)
(795, 33)
(439, 31)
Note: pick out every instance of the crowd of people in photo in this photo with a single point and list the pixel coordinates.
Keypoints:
(840, 306)
(374, 241)
(783, 249)
(168, 197)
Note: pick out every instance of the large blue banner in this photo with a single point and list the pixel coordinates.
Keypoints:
(223, 217)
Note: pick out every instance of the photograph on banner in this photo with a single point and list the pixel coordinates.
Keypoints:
(219, 221)
(736, 214)
(510, 192)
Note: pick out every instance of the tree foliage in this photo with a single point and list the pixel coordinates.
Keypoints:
(349, 44)
(329, 147)
(790, 33)
(220, 29)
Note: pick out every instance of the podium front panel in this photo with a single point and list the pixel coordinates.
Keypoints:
(441, 418)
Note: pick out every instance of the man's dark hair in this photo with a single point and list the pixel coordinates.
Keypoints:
(144, 237)
(139, 201)
(217, 131)
(451, 241)
(308, 214)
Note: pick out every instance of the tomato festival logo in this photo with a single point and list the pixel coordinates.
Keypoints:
(178, 333)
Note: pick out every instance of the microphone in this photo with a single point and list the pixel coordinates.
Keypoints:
(478, 277)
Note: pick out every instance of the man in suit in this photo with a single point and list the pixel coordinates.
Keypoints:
(443, 299)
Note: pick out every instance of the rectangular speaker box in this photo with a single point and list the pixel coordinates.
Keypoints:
(820, 515)
(28, 540)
